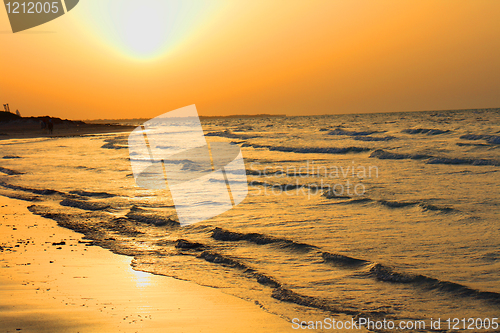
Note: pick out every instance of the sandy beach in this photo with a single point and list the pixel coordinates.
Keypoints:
(52, 280)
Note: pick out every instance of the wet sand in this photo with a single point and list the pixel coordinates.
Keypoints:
(52, 280)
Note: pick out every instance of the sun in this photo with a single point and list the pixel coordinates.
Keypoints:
(147, 29)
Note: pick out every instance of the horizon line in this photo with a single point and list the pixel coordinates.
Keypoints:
(275, 115)
(279, 115)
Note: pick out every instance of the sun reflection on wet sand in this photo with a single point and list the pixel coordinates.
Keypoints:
(142, 279)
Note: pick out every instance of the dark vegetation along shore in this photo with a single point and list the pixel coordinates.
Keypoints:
(13, 126)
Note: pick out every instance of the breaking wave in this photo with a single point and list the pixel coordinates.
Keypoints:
(386, 274)
(385, 155)
(101, 195)
(492, 139)
(231, 135)
(374, 270)
(340, 259)
(389, 204)
(467, 161)
(99, 227)
(153, 218)
(374, 138)
(30, 190)
(427, 131)
(422, 204)
(311, 150)
(339, 131)
(10, 172)
(256, 238)
(85, 205)
(115, 143)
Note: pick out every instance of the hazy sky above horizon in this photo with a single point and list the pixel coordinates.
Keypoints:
(114, 59)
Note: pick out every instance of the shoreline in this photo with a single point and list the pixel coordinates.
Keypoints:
(32, 132)
(53, 280)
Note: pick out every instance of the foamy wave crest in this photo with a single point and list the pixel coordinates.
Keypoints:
(220, 259)
(99, 227)
(256, 238)
(30, 190)
(492, 139)
(188, 245)
(459, 161)
(342, 260)
(20, 196)
(386, 274)
(374, 138)
(349, 200)
(100, 195)
(422, 204)
(115, 143)
(281, 187)
(10, 172)
(466, 144)
(339, 131)
(84, 205)
(427, 131)
(397, 204)
(385, 155)
(311, 150)
(151, 217)
(389, 204)
(287, 295)
(231, 135)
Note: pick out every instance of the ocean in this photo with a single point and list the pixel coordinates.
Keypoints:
(383, 216)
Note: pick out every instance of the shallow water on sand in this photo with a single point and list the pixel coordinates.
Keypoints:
(382, 215)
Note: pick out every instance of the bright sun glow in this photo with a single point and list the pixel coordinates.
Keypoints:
(147, 29)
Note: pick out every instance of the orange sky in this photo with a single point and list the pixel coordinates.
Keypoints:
(255, 56)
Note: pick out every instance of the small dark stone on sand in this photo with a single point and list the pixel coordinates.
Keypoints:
(60, 243)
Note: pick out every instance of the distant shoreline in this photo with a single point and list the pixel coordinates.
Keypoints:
(15, 127)
(263, 115)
